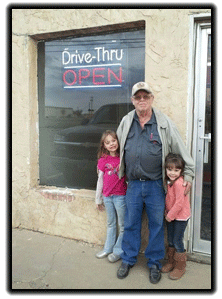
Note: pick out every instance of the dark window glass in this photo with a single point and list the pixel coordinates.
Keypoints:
(84, 89)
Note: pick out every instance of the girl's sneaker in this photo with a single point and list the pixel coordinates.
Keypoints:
(102, 254)
(113, 258)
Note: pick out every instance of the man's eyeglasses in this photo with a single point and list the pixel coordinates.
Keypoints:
(146, 97)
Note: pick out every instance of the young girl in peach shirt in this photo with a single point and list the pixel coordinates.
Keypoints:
(177, 214)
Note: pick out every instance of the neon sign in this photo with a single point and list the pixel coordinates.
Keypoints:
(101, 67)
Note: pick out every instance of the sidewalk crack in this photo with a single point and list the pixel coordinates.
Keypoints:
(31, 282)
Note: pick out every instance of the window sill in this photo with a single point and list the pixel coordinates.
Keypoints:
(65, 194)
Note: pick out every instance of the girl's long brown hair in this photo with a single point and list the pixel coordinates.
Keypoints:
(102, 151)
(177, 161)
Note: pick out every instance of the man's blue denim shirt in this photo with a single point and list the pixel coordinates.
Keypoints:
(143, 151)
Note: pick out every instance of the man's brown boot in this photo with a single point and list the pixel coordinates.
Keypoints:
(180, 267)
(171, 262)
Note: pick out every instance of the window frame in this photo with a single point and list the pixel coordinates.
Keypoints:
(42, 38)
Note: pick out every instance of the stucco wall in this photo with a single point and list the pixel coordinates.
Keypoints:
(166, 69)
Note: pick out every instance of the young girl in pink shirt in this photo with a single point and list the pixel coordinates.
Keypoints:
(177, 213)
(111, 190)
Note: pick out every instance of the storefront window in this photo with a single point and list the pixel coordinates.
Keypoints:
(84, 88)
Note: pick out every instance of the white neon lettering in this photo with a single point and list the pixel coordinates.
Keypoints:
(88, 58)
(63, 57)
(98, 55)
(121, 54)
(102, 54)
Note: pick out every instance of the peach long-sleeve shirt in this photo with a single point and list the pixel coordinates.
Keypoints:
(177, 204)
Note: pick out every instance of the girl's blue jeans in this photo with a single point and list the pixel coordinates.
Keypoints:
(115, 210)
(152, 195)
(175, 234)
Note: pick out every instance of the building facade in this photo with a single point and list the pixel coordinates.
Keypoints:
(72, 73)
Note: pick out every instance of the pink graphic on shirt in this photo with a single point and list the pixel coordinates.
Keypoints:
(112, 170)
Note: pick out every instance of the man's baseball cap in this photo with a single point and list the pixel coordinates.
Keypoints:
(140, 85)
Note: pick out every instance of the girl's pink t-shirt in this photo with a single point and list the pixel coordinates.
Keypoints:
(112, 185)
(177, 204)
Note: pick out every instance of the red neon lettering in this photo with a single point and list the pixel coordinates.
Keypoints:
(98, 76)
(114, 75)
(83, 77)
(64, 77)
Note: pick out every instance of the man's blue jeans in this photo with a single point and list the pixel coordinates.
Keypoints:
(115, 210)
(150, 193)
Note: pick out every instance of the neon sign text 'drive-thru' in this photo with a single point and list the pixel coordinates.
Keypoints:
(100, 68)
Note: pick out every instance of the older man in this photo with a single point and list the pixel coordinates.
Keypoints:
(146, 136)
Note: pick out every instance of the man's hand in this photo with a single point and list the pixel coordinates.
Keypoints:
(188, 187)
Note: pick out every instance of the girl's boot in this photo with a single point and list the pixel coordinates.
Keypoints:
(171, 262)
(180, 267)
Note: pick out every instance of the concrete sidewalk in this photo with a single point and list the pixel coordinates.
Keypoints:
(42, 261)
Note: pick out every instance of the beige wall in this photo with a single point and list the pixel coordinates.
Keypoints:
(166, 69)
